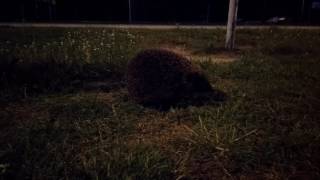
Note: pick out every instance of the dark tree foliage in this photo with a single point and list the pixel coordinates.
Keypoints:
(147, 11)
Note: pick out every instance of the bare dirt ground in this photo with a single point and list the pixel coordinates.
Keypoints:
(219, 56)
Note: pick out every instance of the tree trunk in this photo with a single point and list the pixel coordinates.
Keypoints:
(232, 21)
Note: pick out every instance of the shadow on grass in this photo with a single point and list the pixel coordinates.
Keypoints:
(212, 98)
(28, 78)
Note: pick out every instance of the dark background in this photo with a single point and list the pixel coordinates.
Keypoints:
(154, 11)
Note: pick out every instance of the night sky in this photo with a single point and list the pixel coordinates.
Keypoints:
(156, 11)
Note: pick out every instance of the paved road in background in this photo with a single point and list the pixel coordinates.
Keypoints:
(126, 26)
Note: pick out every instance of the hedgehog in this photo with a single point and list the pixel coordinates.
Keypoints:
(162, 78)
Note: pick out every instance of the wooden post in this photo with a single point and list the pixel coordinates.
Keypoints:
(231, 27)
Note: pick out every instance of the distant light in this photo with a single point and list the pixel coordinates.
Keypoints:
(282, 19)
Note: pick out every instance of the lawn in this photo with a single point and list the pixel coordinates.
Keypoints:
(65, 111)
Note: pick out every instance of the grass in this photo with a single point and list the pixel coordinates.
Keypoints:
(65, 111)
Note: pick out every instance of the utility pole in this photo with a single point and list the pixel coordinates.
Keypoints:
(22, 9)
(208, 12)
(50, 11)
(302, 10)
(130, 11)
(231, 27)
(36, 9)
(265, 10)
